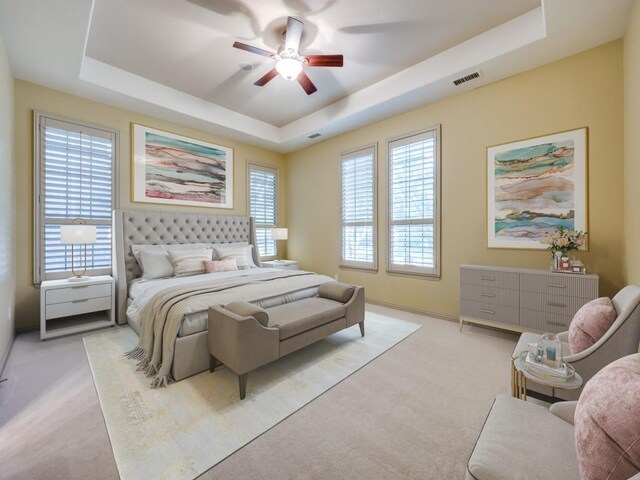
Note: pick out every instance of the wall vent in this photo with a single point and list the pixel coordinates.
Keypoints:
(466, 78)
(315, 135)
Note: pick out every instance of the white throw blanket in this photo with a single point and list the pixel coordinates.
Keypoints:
(164, 312)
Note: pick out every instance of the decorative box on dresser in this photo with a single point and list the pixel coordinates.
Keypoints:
(68, 307)
(522, 299)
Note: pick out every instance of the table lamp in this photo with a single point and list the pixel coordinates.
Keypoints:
(78, 233)
(279, 234)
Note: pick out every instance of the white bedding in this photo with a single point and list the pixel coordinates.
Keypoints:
(142, 291)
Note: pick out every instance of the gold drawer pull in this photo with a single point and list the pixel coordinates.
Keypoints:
(557, 324)
(489, 279)
(488, 311)
(556, 285)
(490, 295)
(80, 301)
(551, 304)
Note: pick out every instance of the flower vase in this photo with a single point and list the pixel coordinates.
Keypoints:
(555, 261)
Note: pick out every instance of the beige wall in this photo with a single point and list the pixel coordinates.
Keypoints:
(30, 97)
(7, 225)
(582, 90)
(632, 146)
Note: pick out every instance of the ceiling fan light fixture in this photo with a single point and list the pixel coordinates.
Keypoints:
(289, 68)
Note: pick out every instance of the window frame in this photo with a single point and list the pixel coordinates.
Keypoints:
(39, 275)
(352, 264)
(435, 272)
(269, 169)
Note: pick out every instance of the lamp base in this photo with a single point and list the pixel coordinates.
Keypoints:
(82, 278)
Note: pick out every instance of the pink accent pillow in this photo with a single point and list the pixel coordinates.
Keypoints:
(590, 323)
(215, 266)
(607, 422)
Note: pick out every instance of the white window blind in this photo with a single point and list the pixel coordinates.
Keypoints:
(74, 179)
(413, 203)
(263, 207)
(358, 209)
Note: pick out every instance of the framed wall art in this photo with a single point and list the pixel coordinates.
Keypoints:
(177, 170)
(535, 186)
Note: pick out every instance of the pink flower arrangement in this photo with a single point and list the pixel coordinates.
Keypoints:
(564, 240)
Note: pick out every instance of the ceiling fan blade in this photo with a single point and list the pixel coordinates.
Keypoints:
(294, 34)
(267, 77)
(306, 83)
(252, 49)
(324, 60)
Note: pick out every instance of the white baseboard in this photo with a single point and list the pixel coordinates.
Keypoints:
(441, 316)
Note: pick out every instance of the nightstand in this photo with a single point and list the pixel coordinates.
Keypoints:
(68, 307)
(282, 264)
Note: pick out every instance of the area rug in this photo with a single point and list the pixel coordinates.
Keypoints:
(181, 431)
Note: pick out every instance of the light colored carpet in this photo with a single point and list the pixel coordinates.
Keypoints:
(183, 430)
(412, 413)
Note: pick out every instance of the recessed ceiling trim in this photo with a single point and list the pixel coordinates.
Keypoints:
(131, 85)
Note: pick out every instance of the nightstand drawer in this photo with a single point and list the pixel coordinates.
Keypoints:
(79, 292)
(78, 307)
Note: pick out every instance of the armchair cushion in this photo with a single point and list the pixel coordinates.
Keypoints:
(607, 424)
(590, 323)
(246, 309)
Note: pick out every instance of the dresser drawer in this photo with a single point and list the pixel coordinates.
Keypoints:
(568, 286)
(544, 321)
(77, 292)
(490, 295)
(77, 307)
(543, 302)
(490, 278)
(487, 311)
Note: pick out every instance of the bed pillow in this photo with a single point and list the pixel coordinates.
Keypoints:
(241, 253)
(607, 424)
(189, 262)
(138, 249)
(155, 264)
(590, 323)
(215, 266)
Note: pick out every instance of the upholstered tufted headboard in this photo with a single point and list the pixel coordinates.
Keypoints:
(136, 227)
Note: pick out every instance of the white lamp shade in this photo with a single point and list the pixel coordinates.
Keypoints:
(77, 234)
(279, 234)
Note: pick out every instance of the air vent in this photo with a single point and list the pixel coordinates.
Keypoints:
(315, 135)
(466, 78)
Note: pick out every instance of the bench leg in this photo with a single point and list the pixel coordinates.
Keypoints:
(361, 328)
(212, 363)
(242, 383)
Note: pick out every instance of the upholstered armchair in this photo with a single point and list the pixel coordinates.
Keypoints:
(622, 339)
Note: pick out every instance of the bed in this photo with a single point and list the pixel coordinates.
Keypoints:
(263, 286)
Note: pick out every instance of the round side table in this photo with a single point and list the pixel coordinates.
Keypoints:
(519, 376)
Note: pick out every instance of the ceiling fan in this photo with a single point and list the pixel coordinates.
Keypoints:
(289, 62)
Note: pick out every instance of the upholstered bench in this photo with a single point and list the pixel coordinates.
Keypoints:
(244, 336)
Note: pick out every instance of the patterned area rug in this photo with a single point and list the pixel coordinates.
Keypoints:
(181, 431)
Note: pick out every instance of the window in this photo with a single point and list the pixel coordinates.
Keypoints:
(358, 247)
(414, 165)
(74, 166)
(263, 207)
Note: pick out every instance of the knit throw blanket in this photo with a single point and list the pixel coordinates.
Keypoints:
(164, 312)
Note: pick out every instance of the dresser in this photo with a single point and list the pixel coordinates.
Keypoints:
(521, 299)
(68, 307)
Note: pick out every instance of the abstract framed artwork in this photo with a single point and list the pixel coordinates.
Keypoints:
(177, 170)
(535, 186)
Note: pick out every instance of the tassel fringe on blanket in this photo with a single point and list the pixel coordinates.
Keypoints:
(150, 370)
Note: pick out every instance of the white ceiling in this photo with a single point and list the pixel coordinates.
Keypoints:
(187, 44)
(173, 58)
